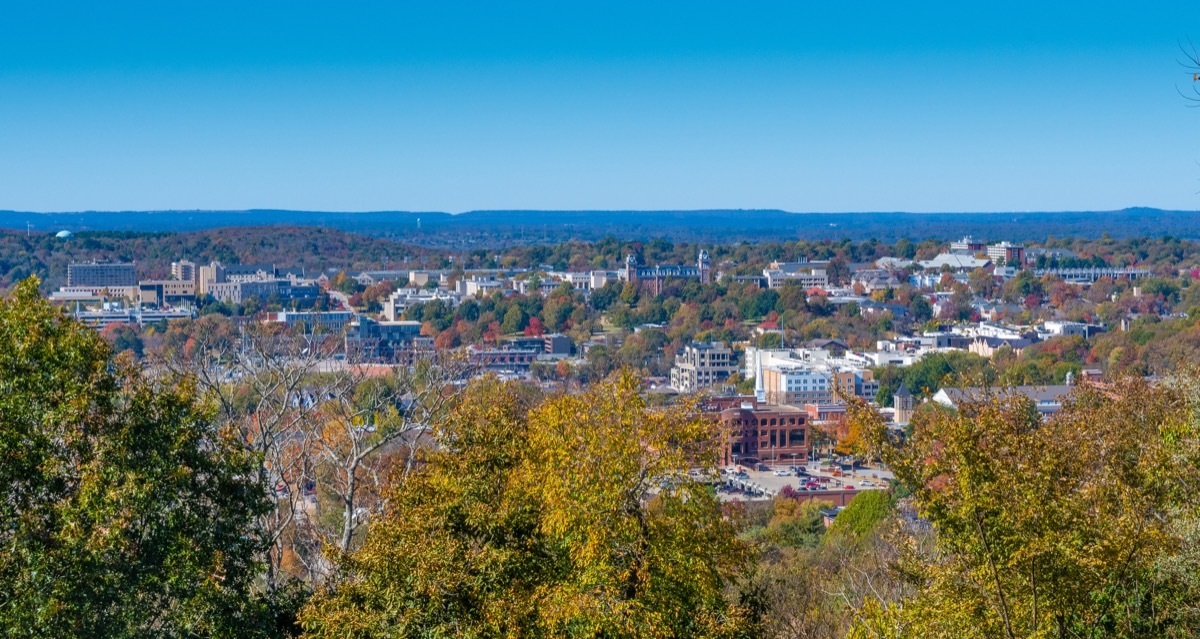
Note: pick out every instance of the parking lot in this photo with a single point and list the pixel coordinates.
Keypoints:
(759, 484)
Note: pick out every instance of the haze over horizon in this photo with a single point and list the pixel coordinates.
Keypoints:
(596, 106)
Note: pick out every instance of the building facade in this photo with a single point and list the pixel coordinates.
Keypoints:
(183, 270)
(1006, 254)
(702, 365)
(100, 275)
(773, 435)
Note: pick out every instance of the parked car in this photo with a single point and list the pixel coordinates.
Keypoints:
(763, 468)
(849, 487)
(782, 473)
(743, 475)
(866, 482)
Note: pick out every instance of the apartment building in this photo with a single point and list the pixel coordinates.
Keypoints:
(702, 365)
(184, 271)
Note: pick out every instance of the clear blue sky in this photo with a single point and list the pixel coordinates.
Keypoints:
(446, 105)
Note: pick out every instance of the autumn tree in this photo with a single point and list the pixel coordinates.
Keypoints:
(1050, 528)
(326, 429)
(572, 517)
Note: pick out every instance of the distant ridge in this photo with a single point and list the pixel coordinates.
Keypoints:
(533, 226)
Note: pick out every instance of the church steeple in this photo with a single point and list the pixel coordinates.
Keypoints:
(902, 402)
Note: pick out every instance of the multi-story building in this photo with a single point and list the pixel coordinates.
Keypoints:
(167, 292)
(655, 277)
(1007, 254)
(184, 271)
(401, 299)
(206, 276)
(701, 365)
(502, 359)
(395, 342)
(805, 274)
(797, 377)
(100, 275)
(139, 316)
(775, 435)
(968, 245)
(796, 385)
(282, 291)
(249, 272)
(314, 321)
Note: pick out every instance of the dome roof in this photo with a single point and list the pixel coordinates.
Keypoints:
(64, 234)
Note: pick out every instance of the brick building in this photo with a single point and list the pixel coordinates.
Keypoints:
(774, 435)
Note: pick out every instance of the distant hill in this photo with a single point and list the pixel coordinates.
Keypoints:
(498, 228)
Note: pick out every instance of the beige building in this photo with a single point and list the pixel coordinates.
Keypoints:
(166, 292)
(209, 275)
(702, 365)
(183, 270)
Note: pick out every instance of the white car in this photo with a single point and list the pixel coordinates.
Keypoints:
(866, 482)
(782, 473)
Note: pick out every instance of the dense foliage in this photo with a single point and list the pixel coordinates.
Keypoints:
(572, 517)
(1082, 525)
(124, 510)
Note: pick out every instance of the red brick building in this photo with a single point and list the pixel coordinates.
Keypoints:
(772, 435)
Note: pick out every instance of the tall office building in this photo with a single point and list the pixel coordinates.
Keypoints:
(97, 274)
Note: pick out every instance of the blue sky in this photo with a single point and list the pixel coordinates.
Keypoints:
(946, 106)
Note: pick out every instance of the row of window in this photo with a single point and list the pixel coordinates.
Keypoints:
(768, 422)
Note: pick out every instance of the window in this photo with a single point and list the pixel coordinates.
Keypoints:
(773, 442)
(796, 437)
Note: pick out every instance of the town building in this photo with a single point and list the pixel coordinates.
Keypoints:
(1007, 254)
(699, 366)
(1087, 276)
(183, 271)
(313, 321)
(101, 275)
(773, 435)
(167, 292)
(401, 299)
(502, 359)
(655, 277)
(140, 316)
(968, 245)
(957, 262)
(393, 342)
(1047, 399)
(803, 273)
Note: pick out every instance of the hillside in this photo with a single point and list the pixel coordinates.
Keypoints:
(475, 229)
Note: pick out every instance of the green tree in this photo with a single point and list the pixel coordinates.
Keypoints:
(514, 320)
(124, 512)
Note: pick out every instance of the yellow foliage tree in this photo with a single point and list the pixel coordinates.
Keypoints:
(1049, 528)
(573, 517)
